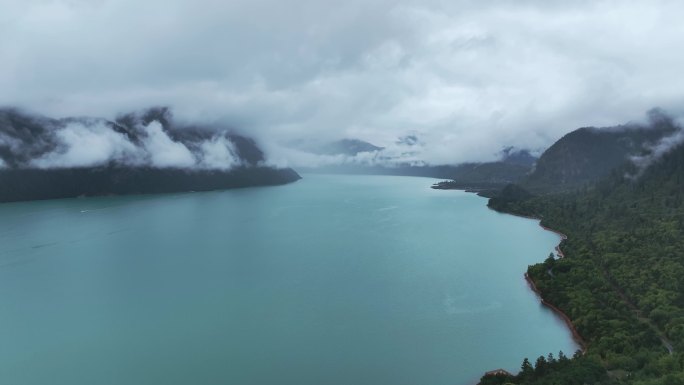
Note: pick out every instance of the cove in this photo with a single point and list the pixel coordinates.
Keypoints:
(330, 280)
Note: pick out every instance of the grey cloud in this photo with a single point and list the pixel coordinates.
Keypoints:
(395, 154)
(147, 139)
(466, 77)
(219, 153)
(79, 145)
(164, 152)
(657, 151)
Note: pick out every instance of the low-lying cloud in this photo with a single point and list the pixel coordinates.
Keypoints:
(657, 151)
(397, 153)
(467, 78)
(35, 142)
(218, 153)
(164, 152)
(82, 145)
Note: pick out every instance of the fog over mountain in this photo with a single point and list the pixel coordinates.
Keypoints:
(142, 152)
(147, 139)
(462, 78)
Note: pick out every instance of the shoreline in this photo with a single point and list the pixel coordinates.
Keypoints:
(561, 235)
(568, 322)
(533, 286)
(577, 338)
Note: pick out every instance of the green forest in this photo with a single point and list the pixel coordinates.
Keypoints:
(621, 281)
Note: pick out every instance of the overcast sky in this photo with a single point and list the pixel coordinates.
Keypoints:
(466, 77)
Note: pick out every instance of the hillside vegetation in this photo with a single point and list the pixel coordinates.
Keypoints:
(622, 280)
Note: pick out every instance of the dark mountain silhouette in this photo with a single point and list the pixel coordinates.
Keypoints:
(25, 137)
(512, 167)
(523, 157)
(584, 156)
(37, 184)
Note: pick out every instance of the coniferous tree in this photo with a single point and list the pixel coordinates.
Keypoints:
(540, 366)
(526, 368)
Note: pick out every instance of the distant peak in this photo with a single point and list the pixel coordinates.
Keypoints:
(408, 140)
(348, 147)
(518, 156)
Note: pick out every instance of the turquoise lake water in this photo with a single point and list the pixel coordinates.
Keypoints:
(334, 280)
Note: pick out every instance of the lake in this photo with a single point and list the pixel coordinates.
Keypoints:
(330, 280)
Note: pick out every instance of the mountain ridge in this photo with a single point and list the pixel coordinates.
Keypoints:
(621, 278)
(137, 153)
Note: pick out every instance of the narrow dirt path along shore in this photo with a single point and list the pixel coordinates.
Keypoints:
(620, 292)
(637, 312)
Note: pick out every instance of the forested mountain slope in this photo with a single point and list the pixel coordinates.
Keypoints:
(622, 280)
(586, 155)
(138, 153)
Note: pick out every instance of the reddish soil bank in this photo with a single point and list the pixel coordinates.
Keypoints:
(575, 335)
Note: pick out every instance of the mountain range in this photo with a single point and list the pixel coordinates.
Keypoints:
(138, 153)
(511, 167)
(620, 202)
